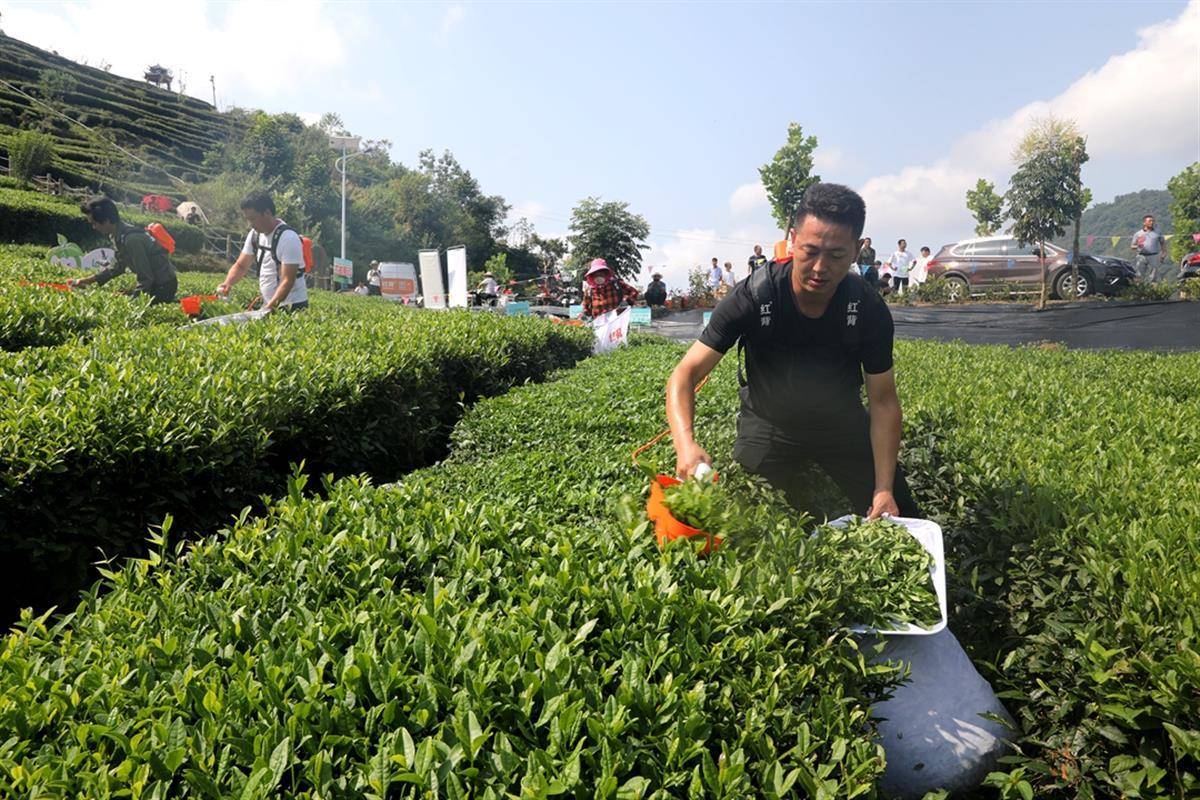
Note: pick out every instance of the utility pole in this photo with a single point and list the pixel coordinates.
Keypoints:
(349, 147)
(213, 80)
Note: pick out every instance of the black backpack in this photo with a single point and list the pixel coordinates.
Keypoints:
(761, 285)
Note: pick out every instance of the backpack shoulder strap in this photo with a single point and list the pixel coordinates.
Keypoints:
(276, 235)
(259, 250)
(761, 285)
(852, 330)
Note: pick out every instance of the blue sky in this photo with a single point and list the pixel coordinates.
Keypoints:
(672, 106)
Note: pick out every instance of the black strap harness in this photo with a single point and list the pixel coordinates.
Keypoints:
(261, 251)
(762, 290)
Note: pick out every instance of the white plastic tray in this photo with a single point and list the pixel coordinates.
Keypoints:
(929, 534)
(231, 319)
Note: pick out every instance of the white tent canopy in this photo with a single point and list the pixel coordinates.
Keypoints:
(188, 208)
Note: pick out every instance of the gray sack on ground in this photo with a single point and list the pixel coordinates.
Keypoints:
(932, 728)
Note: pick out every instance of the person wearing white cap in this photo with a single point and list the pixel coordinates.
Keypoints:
(604, 291)
(488, 289)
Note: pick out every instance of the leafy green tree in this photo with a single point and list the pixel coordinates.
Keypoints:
(549, 251)
(498, 266)
(789, 175)
(986, 206)
(472, 218)
(1185, 210)
(1045, 193)
(29, 152)
(54, 85)
(609, 231)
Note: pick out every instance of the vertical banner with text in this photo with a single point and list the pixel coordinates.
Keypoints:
(456, 275)
(397, 281)
(431, 279)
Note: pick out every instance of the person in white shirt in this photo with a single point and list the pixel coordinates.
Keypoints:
(362, 289)
(278, 253)
(374, 280)
(488, 290)
(900, 262)
(920, 272)
(727, 275)
(715, 276)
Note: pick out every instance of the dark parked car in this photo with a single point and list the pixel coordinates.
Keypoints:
(974, 265)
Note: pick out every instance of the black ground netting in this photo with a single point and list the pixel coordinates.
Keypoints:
(1169, 325)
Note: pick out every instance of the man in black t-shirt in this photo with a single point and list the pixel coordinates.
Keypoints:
(810, 331)
(757, 260)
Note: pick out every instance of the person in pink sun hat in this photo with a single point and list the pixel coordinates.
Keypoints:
(603, 290)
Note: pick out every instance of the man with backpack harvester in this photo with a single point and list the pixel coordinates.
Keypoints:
(810, 330)
(281, 256)
(143, 251)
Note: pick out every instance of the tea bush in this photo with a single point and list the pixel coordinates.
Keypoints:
(1065, 482)
(501, 625)
(35, 218)
(112, 433)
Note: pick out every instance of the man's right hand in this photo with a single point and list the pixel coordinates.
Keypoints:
(223, 289)
(689, 458)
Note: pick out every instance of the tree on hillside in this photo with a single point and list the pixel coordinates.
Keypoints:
(54, 85)
(548, 250)
(789, 175)
(986, 206)
(609, 231)
(29, 152)
(1185, 210)
(473, 219)
(1045, 193)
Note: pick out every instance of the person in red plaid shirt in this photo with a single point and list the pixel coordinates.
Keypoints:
(604, 290)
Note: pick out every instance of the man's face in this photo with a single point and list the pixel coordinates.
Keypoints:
(259, 221)
(902, 244)
(104, 228)
(821, 255)
(1148, 223)
(867, 242)
(758, 249)
(714, 262)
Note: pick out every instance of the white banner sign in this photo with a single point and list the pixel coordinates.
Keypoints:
(99, 258)
(456, 274)
(611, 329)
(397, 281)
(431, 279)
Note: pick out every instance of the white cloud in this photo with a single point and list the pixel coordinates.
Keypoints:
(676, 252)
(748, 198)
(1142, 104)
(828, 159)
(451, 18)
(236, 43)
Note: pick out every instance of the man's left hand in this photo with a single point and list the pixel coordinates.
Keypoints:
(883, 503)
